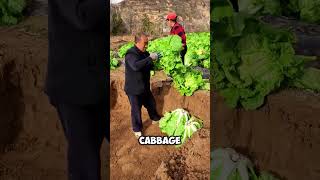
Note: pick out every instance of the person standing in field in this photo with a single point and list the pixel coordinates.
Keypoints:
(77, 80)
(177, 29)
(138, 64)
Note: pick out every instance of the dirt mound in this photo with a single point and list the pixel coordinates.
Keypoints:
(134, 161)
(281, 137)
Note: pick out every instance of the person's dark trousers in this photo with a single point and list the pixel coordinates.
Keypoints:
(85, 128)
(183, 53)
(137, 101)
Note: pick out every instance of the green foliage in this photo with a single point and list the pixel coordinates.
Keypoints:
(124, 48)
(252, 59)
(11, 11)
(169, 47)
(198, 53)
(114, 63)
(310, 10)
(186, 80)
(180, 123)
(307, 10)
(206, 86)
(309, 80)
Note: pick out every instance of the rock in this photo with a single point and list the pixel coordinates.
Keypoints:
(172, 162)
(128, 168)
(150, 16)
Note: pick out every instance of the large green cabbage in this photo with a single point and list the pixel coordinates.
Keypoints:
(198, 53)
(307, 10)
(186, 80)
(252, 59)
(180, 123)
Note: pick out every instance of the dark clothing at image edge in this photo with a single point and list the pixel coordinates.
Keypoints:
(78, 42)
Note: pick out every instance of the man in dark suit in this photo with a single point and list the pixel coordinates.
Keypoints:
(77, 80)
(138, 63)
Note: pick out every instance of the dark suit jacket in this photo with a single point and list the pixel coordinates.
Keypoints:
(137, 73)
(78, 48)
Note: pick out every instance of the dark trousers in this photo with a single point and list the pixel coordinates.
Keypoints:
(183, 53)
(136, 102)
(85, 127)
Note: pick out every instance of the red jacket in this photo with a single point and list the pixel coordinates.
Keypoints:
(177, 29)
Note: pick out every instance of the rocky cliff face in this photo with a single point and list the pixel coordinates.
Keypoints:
(131, 16)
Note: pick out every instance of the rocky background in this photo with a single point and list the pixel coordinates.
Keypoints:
(130, 16)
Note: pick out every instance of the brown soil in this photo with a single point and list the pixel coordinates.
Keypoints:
(32, 145)
(134, 161)
(282, 137)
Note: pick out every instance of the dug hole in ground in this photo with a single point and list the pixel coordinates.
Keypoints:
(130, 160)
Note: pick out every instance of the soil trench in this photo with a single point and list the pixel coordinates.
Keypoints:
(134, 161)
(282, 137)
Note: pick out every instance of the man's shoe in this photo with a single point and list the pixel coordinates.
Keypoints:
(138, 134)
(155, 122)
(156, 119)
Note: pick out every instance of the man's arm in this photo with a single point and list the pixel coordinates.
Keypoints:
(137, 64)
(83, 14)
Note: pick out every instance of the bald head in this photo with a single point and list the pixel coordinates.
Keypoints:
(139, 36)
(141, 41)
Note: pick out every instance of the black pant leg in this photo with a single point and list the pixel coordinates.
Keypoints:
(150, 104)
(183, 53)
(136, 104)
(84, 128)
(104, 115)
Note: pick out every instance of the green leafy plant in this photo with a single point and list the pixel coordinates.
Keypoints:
(306, 10)
(180, 123)
(309, 80)
(124, 48)
(252, 59)
(198, 53)
(186, 80)
(206, 86)
(114, 63)
(11, 11)
(169, 47)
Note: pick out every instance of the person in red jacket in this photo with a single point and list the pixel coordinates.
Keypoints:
(177, 29)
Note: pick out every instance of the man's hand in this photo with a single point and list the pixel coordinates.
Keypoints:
(154, 56)
(159, 55)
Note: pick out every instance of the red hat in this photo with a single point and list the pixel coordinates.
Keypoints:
(171, 16)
